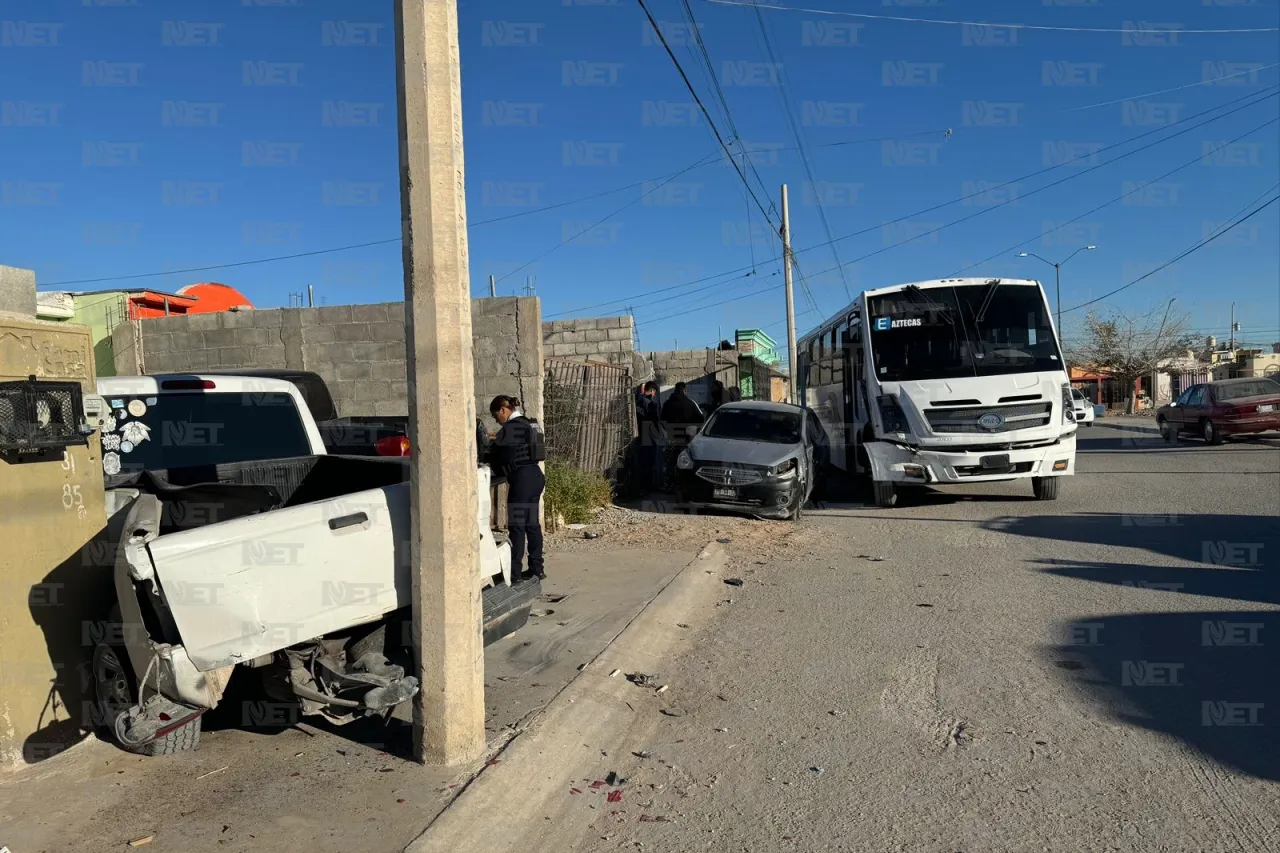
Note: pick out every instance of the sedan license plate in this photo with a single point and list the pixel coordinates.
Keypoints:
(994, 462)
(725, 494)
(1266, 408)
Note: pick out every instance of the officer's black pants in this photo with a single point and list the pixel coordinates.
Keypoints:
(524, 491)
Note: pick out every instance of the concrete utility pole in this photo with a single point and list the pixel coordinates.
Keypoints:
(444, 559)
(493, 288)
(792, 360)
(1232, 346)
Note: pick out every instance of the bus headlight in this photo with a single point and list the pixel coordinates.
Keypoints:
(891, 414)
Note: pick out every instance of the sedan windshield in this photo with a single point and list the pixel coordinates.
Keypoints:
(970, 330)
(755, 425)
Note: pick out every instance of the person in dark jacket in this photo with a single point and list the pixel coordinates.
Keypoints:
(516, 452)
(648, 430)
(735, 394)
(681, 416)
(717, 396)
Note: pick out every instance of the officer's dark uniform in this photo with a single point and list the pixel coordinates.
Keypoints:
(516, 452)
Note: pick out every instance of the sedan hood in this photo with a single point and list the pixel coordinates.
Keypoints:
(763, 453)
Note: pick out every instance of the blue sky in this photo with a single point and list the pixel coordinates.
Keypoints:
(146, 136)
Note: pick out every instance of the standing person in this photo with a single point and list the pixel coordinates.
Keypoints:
(680, 415)
(648, 427)
(735, 394)
(717, 396)
(517, 450)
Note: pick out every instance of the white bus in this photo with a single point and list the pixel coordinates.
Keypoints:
(943, 382)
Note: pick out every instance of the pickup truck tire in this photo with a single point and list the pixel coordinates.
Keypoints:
(1045, 488)
(115, 689)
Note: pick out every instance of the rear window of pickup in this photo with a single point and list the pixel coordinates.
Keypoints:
(180, 430)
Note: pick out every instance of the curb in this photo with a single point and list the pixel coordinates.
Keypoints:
(524, 795)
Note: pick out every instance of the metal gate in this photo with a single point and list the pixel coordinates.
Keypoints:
(589, 415)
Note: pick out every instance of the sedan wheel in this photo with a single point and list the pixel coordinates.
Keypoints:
(1210, 432)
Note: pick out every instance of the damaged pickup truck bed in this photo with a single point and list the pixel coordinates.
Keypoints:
(297, 568)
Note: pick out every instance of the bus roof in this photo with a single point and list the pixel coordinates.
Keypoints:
(836, 318)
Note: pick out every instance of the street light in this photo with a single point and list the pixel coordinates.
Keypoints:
(1057, 274)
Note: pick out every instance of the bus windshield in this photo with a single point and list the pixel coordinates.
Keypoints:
(946, 333)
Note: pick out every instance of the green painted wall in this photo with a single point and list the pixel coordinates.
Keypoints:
(101, 312)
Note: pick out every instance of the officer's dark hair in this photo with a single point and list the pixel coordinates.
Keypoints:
(680, 386)
(651, 386)
(501, 402)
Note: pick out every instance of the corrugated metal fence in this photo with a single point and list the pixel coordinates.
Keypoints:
(589, 417)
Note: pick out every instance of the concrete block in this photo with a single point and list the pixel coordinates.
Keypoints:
(367, 351)
(549, 338)
(586, 350)
(395, 311)
(326, 315)
(493, 326)
(269, 318)
(218, 338)
(192, 322)
(319, 334)
(270, 356)
(373, 313)
(355, 370)
(619, 334)
(559, 350)
(596, 335)
(576, 337)
(232, 320)
(391, 407)
(386, 331)
(353, 332)
(251, 337)
(486, 348)
(610, 346)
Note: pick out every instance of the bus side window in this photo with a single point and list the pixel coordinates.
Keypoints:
(828, 356)
(841, 354)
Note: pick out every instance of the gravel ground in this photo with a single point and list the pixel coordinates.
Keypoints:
(978, 671)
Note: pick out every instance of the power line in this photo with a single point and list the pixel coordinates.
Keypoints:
(1240, 220)
(1120, 197)
(1042, 27)
(1208, 82)
(794, 128)
(662, 38)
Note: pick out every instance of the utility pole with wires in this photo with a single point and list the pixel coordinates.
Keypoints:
(791, 303)
(493, 288)
(448, 714)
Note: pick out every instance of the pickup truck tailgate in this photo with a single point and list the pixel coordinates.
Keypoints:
(255, 585)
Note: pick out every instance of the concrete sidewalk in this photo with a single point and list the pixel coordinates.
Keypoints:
(321, 788)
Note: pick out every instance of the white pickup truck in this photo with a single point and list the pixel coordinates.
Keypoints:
(246, 544)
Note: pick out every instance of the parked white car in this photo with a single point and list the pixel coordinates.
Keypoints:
(1082, 407)
(248, 545)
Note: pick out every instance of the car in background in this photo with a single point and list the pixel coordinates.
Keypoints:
(761, 458)
(1083, 409)
(1215, 410)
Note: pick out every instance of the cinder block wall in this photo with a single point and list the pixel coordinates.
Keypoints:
(606, 339)
(698, 367)
(359, 350)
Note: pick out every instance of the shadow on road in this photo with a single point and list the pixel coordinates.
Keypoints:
(1206, 678)
(1209, 678)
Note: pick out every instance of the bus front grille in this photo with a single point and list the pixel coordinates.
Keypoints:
(968, 420)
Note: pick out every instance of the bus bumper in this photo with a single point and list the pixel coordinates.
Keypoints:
(898, 463)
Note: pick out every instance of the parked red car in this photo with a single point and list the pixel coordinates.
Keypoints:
(1216, 410)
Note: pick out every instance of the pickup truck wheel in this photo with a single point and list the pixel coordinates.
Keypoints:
(116, 691)
(1045, 488)
(886, 494)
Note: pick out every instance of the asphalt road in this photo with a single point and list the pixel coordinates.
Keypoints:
(978, 671)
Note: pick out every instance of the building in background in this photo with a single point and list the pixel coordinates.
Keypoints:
(103, 310)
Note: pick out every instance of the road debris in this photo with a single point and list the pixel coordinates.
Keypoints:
(597, 785)
(723, 540)
(614, 797)
(612, 779)
(644, 818)
(663, 688)
(924, 605)
(576, 526)
(590, 535)
(139, 842)
(640, 679)
(644, 753)
(212, 772)
(817, 770)
(673, 712)
(721, 729)
(615, 673)
(573, 791)
(734, 581)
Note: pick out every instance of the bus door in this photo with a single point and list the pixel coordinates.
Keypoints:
(855, 382)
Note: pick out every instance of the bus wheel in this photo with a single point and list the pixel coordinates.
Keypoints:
(1045, 488)
(886, 494)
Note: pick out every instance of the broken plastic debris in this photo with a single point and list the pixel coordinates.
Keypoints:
(615, 673)
(644, 753)
(575, 790)
(663, 688)
(723, 540)
(138, 842)
(734, 581)
(641, 680)
(598, 784)
(644, 818)
(818, 770)
(612, 779)
(589, 535)
(614, 797)
(673, 712)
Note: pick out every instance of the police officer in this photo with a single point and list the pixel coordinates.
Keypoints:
(516, 452)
